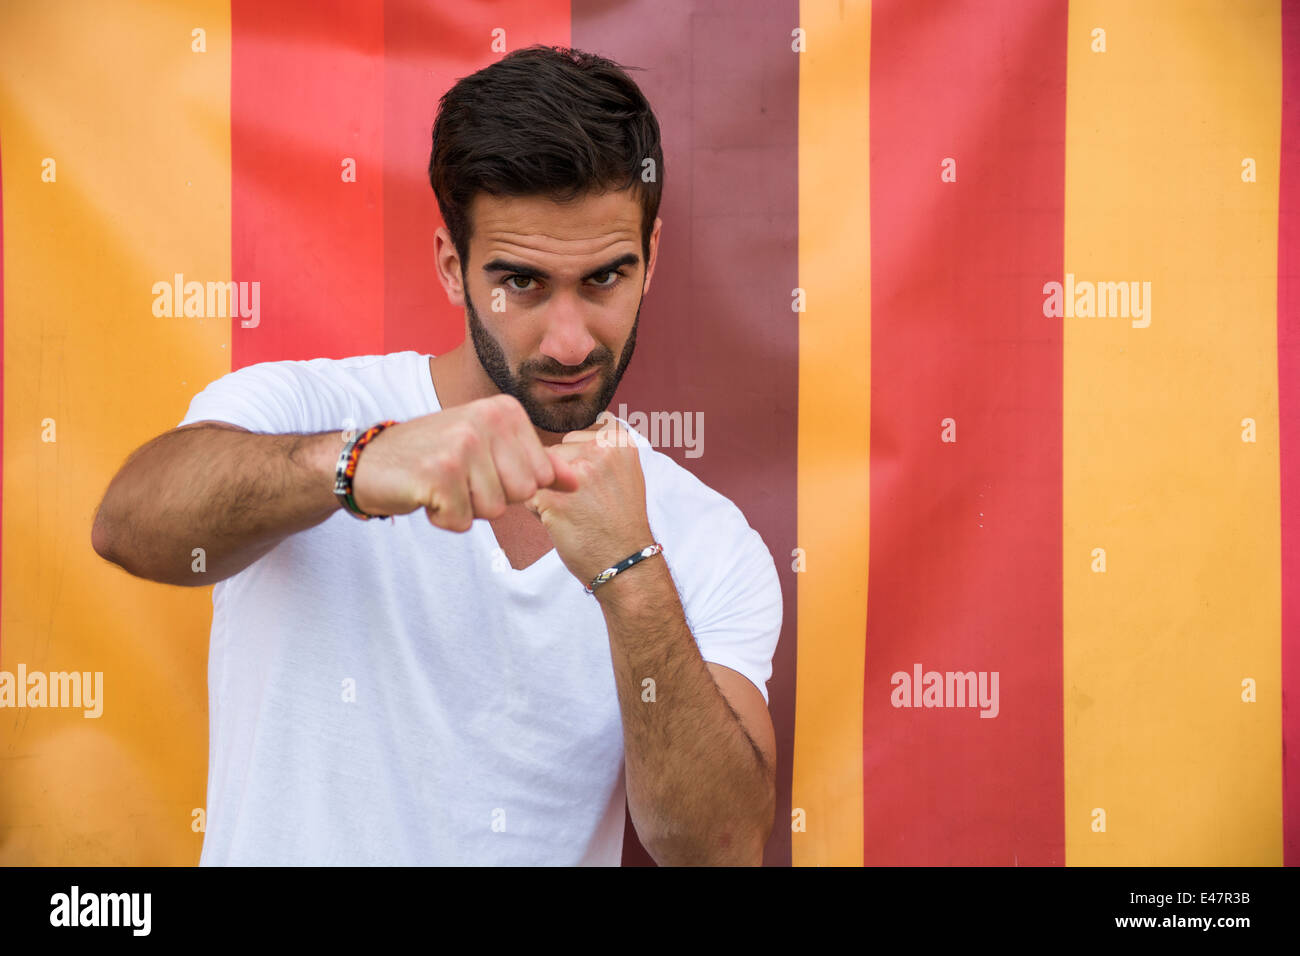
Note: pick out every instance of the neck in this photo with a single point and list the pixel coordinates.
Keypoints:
(458, 378)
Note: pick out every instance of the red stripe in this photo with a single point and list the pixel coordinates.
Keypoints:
(965, 565)
(1288, 385)
(306, 93)
(429, 47)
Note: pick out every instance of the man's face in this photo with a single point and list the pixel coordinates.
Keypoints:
(553, 294)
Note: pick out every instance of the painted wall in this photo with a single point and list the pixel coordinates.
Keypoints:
(959, 468)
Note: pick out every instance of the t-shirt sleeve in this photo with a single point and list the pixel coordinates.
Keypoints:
(267, 397)
(736, 622)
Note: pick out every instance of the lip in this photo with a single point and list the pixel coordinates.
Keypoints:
(573, 385)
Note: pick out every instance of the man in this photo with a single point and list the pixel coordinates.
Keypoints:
(471, 689)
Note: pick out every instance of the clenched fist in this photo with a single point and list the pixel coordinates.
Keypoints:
(603, 520)
(466, 462)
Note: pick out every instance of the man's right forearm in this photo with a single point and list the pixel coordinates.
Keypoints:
(233, 493)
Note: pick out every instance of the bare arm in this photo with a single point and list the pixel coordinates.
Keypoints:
(218, 487)
(237, 494)
(701, 779)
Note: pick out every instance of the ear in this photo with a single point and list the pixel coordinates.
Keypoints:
(654, 254)
(447, 261)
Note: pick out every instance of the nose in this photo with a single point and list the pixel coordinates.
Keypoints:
(567, 340)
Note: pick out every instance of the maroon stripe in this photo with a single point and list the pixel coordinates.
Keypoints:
(717, 335)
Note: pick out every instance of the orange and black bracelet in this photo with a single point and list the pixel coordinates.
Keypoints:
(347, 468)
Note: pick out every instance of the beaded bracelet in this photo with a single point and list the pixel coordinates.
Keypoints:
(347, 468)
(623, 565)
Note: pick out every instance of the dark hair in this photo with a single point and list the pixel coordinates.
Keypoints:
(543, 120)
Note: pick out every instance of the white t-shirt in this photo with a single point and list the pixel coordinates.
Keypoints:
(395, 693)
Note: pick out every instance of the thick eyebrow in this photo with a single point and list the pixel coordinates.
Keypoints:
(518, 268)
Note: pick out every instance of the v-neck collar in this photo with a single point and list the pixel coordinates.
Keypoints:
(481, 525)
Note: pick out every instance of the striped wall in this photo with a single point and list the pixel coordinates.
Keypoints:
(1156, 472)
(137, 128)
(1288, 380)
(865, 203)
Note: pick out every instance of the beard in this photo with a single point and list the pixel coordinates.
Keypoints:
(567, 412)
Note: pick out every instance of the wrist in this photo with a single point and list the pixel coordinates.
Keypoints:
(631, 556)
(631, 592)
(319, 454)
(345, 469)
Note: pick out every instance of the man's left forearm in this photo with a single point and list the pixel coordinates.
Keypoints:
(699, 791)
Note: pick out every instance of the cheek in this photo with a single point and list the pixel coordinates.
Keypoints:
(612, 329)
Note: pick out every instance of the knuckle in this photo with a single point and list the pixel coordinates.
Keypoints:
(449, 518)
(489, 504)
(512, 413)
(508, 403)
(489, 411)
(467, 439)
(501, 410)
(521, 487)
(447, 466)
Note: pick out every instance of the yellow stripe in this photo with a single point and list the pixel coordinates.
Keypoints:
(138, 126)
(1155, 469)
(834, 420)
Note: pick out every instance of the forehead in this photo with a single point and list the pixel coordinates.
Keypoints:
(558, 237)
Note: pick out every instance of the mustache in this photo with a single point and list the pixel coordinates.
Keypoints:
(563, 371)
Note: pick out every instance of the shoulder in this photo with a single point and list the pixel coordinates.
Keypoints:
(701, 524)
(670, 484)
(353, 375)
(721, 567)
(359, 366)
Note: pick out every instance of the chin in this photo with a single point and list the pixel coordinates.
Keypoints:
(566, 415)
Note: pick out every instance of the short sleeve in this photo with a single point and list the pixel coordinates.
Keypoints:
(267, 397)
(737, 621)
